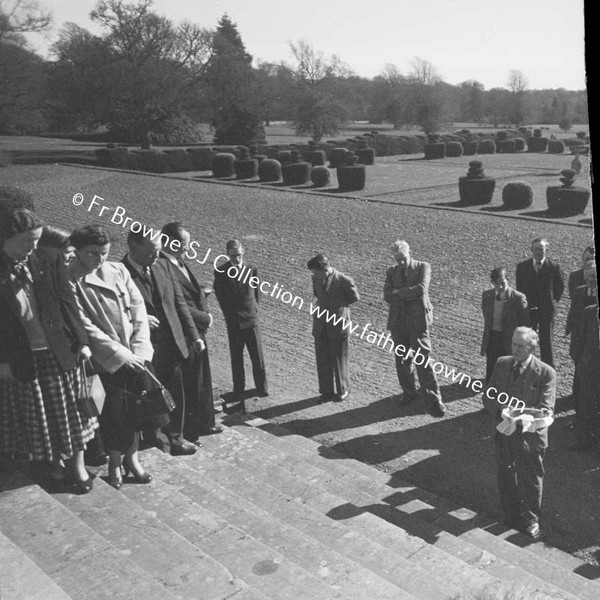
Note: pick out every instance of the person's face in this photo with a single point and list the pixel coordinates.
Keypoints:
(539, 250)
(236, 256)
(146, 253)
(591, 279)
(587, 255)
(522, 348)
(402, 258)
(501, 284)
(23, 244)
(184, 245)
(69, 254)
(92, 257)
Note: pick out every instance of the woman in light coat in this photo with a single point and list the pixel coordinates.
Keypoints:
(116, 322)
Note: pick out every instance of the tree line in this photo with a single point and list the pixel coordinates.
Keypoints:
(148, 79)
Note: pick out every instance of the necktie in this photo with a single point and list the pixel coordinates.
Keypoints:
(515, 371)
(183, 268)
(498, 297)
(403, 278)
(147, 277)
(538, 266)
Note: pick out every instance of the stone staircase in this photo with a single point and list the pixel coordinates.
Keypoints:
(259, 513)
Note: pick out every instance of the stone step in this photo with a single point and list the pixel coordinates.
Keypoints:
(22, 579)
(432, 508)
(167, 557)
(239, 481)
(345, 577)
(272, 464)
(463, 519)
(79, 560)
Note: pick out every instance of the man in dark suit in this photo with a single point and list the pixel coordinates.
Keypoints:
(520, 455)
(172, 332)
(239, 303)
(200, 410)
(576, 277)
(541, 280)
(335, 292)
(504, 309)
(406, 290)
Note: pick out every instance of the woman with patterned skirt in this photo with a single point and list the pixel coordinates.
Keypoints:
(42, 339)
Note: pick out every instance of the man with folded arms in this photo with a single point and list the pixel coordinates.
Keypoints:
(406, 290)
(520, 455)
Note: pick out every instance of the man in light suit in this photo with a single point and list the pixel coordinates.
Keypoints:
(504, 309)
(334, 292)
(172, 332)
(200, 410)
(239, 303)
(542, 282)
(406, 290)
(520, 456)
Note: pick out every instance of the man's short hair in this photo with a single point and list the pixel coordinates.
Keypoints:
(136, 238)
(496, 273)
(529, 334)
(589, 250)
(232, 244)
(174, 230)
(542, 241)
(320, 262)
(400, 246)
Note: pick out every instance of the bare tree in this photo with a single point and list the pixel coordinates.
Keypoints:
(313, 66)
(427, 101)
(22, 16)
(517, 84)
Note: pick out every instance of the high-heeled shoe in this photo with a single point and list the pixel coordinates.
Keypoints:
(138, 477)
(84, 487)
(114, 478)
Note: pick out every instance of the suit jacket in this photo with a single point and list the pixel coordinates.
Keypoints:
(193, 294)
(114, 315)
(172, 310)
(238, 301)
(542, 290)
(536, 387)
(575, 280)
(590, 343)
(58, 314)
(414, 296)
(575, 323)
(339, 292)
(514, 314)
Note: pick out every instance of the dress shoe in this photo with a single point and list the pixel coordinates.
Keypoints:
(84, 487)
(138, 477)
(114, 479)
(211, 430)
(341, 397)
(437, 408)
(183, 449)
(323, 398)
(261, 393)
(533, 531)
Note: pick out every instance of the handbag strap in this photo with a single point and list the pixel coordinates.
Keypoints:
(87, 384)
(153, 377)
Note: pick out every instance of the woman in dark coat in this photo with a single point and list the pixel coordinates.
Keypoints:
(42, 339)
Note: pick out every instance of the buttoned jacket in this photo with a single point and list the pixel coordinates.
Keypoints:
(113, 313)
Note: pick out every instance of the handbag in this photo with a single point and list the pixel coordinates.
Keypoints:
(90, 403)
(147, 398)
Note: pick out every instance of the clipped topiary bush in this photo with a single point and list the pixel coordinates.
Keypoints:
(151, 161)
(566, 200)
(114, 157)
(454, 149)
(179, 160)
(201, 158)
(337, 157)
(434, 150)
(505, 146)
(556, 147)
(222, 164)
(269, 170)
(519, 144)
(245, 167)
(320, 176)
(470, 147)
(517, 194)
(351, 176)
(582, 135)
(296, 173)
(486, 147)
(476, 188)
(283, 156)
(537, 143)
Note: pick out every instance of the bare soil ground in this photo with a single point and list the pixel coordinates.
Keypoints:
(451, 456)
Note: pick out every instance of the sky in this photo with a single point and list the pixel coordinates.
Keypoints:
(463, 39)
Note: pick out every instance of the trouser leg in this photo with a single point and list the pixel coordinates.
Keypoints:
(404, 366)
(530, 475)
(506, 473)
(338, 349)
(236, 351)
(255, 350)
(324, 365)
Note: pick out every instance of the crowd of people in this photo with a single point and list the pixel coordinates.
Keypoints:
(140, 323)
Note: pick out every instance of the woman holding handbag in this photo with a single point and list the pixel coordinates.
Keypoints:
(41, 340)
(116, 322)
